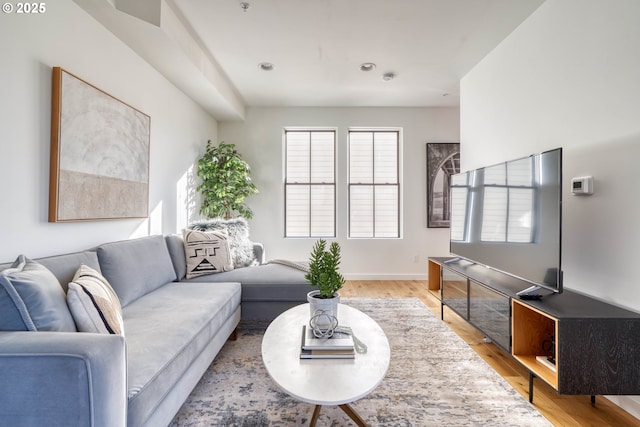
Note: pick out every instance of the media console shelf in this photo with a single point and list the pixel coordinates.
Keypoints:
(596, 344)
(531, 328)
(434, 270)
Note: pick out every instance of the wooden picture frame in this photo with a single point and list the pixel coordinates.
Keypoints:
(99, 162)
(443, 160)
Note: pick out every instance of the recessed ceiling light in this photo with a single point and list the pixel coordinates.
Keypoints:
(388, 77)
(367, 66)
(266, 66)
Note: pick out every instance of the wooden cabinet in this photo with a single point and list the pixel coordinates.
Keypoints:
(531, 329)
(434, 269)
(455, 292)
(490, 311)
(465, 291)
(596, 345)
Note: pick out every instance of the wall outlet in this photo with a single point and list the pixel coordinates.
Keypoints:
(416, 259)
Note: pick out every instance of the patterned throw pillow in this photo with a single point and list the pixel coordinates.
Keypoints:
(94, 304)
(240, 245)
(206, 252)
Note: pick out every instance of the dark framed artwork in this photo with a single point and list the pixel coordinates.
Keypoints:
(99, 165)
(443, 160)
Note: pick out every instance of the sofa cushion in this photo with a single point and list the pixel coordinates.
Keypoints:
(206, 252)
(136, 267)
(267, 282)
(64, 267)
(166, 330)
(93, 303)
(175, 245)
(31, 299)
(237, 229)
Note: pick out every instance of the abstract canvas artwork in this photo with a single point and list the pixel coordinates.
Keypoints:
(99, 154)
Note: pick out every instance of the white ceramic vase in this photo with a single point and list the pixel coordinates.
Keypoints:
(326, 305)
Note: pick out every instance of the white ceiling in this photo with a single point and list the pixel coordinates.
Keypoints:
(211, 49)
(317, 47)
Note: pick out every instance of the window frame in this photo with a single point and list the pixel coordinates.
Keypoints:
(373, 184)
(310, 184)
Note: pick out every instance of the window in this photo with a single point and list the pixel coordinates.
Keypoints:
(374, 187)
(310, 183)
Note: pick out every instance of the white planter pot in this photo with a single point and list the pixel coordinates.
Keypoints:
(327, 305)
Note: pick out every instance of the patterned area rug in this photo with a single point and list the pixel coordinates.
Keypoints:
(434, 378)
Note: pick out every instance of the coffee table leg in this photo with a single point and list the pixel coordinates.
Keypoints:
(314, 417)
(353, 415)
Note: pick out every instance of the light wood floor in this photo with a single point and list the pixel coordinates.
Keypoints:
(560, 410)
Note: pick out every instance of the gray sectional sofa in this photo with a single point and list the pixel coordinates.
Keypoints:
(173, 329)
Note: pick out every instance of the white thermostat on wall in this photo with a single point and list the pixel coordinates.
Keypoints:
(582, 186)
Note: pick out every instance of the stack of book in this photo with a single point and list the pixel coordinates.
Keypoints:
(549, 363)
(339, 346)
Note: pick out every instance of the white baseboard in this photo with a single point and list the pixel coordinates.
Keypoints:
(384, 276)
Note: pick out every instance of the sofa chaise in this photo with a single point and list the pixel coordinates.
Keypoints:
(173, 328)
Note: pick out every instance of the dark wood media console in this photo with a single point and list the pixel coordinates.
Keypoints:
(596, 344)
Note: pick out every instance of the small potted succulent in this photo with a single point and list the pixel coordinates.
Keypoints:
(324, 274)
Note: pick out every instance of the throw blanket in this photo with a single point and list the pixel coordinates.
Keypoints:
(300, 265)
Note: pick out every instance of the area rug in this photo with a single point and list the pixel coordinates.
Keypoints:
(434, 379)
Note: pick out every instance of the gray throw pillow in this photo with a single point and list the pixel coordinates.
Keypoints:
(237, 229)
(31, 299)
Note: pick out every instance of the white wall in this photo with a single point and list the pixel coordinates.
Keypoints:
(259, 140)
(66, 36)
(568, 77)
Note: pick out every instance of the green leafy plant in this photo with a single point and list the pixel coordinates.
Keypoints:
(225, 182)
(323, 268)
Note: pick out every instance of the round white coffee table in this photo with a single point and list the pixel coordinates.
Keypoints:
(325, 381)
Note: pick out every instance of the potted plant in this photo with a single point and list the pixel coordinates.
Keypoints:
(324, 275)
(225, 182)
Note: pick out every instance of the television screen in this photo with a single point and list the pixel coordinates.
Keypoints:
(508, 217)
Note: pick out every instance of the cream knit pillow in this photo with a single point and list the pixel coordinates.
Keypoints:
(94, 305)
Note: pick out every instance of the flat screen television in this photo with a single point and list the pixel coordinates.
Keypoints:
(508, 217)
